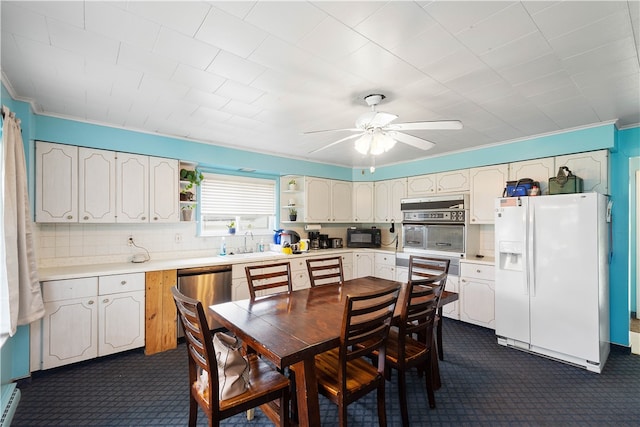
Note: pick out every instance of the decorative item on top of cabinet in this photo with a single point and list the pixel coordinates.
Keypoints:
(190, 179)
(487, 183)
(456, 181)
(363, 202)
(387, 199)
(537, 169)
(477, 294)
(592, 167)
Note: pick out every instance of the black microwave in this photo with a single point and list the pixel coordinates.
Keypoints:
(364, 238)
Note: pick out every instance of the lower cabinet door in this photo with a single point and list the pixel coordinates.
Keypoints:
(121, 319)
(69, 331)
(477, 302)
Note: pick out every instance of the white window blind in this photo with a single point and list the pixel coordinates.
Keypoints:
(230, 196)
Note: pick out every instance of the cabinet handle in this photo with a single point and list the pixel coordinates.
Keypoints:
(90, 302)
(143, 218)
(155, 218)
(124, 282)
(106, 300)
(69, 216)
(478, 271)
(86, 217)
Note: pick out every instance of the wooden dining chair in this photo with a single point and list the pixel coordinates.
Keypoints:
(344, 376)
(268, 389)
(412, 343)
(325, 271)
(269, 279)
(422, 267)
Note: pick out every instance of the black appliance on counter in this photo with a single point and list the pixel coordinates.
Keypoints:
(325, 243)
(364, 238)
(314, 239)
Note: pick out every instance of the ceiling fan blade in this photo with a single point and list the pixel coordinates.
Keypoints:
(435, 125)
(411, 140)
(336, 142)
(332, 130)
(375, 119)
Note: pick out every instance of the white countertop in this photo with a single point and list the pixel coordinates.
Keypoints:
(486, 260)
(89, 270)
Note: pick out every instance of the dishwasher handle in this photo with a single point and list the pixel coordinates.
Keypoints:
(195, 271)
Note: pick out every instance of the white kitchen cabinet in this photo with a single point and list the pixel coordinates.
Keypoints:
(317, 194)
(456, 181)
(132, 203)
(363, 264)
(387, 199)
(164, 184)
(363, 202)
(299, 274)
(384, 265)
(341, 201)
(592, 167)
(239, 284)
(537, 169)
(70, 323)
(121, 312)
(477, 294)
(487, 183)
(96, 185)
(56, 182)
(347, 265)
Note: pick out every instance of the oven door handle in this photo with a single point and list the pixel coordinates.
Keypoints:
(443, 244)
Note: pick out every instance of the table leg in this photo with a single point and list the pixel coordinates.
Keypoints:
(307, 393)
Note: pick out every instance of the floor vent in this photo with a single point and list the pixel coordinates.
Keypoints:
(10, 399)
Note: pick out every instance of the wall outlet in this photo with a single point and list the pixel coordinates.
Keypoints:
(178, 238)
(130, 241)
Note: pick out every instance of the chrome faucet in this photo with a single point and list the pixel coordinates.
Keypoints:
(245, 250)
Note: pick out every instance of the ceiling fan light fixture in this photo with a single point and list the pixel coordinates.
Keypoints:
(363, 143)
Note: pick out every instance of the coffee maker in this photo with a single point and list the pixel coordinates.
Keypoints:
(324, 241)
(314, 239)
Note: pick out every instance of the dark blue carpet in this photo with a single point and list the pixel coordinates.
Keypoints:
(483, 384)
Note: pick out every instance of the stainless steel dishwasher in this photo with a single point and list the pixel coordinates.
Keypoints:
(210, 285)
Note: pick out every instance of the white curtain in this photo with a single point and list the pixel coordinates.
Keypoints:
(20, 284)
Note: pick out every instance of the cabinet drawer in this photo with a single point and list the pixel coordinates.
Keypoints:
(58, 290)
(299, 264)
(120, 283)
(477, 271)
(385, 259)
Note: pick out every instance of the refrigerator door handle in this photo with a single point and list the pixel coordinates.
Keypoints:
(531, 261)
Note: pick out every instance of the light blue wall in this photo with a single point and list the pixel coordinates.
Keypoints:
(622, 144)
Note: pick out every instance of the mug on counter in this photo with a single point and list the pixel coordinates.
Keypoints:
(304, 245)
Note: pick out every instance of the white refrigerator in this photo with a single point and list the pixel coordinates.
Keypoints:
(552, 273)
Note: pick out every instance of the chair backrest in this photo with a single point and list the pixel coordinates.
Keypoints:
(365, 327)
(269, 279)
(199, 345)
(422, 267)
(325, 271)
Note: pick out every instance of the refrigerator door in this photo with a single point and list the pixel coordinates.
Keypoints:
(565, 274)
(512, 288)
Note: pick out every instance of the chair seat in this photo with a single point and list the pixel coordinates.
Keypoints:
(360, 373)
(263, 379)
(414, 350)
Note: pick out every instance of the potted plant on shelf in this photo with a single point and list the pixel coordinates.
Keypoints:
(292, 185)
(293, 214)
(194, 177)
(231, 227)
(187, 212)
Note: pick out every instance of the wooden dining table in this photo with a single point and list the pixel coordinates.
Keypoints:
(289, 329)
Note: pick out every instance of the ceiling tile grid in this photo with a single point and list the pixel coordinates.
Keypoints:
(256, 75)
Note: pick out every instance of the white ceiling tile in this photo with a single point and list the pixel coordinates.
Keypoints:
(513, 21)
(182, 16)
(606, 72)
(557, 95)
(563, 17)
(152, 84)
(145, 61)
(517, 52)
(277, 81)
(331, 40)
(240, 92)
(474, 80)
(544, 84)
(44, 59)
(458, 63)
(193, 77)
(206, 99)
(350, 12)
(71, 12)
(616, 51)
(455, 16)
(23, 22)
(488, 93)
(394, 23)
(230, 33)
(610, 29)
(241, 109)
(290, 21)
(431, 45)
(531, 70)
(208, 114)
(239, 9)
(235, 68)
(183, 49)
(571, 113)
(108, 19)
(82, 42)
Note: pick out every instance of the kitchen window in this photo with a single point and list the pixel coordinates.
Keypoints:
(248, 203)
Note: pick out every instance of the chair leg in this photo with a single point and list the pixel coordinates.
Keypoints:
(382, 411)
(402, 392)
(284, 409)
(439, 334)
(342, 414)
(193, 412)
(430, 387)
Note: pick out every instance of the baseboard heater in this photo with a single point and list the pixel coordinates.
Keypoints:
(9, 403)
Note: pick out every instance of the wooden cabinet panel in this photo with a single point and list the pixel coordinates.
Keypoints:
(160, 311)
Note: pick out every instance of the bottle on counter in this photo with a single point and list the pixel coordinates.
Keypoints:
(261, 246)
(223, 247)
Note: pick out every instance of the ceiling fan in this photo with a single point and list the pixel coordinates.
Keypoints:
(377, 133)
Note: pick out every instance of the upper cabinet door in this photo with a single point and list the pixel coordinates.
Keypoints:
(381, 201)
(341, 201)
(132, 202)
(592, 167)
(487, 183)
(56, 182)
(421, 185)
(96, 185)
(537, 169)
(453, 182)
(398, 189)
(164, 178)
(363, 201)
(317, 192)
